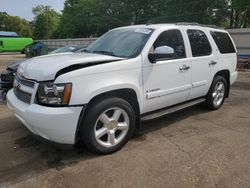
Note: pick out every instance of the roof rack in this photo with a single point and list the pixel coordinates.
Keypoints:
(212, 26)
(196, 24)
(187, 23)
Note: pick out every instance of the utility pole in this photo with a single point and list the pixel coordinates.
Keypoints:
(47, 21)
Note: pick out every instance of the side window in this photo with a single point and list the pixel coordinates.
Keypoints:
(174, 40)
(199, 43)
(223, 42)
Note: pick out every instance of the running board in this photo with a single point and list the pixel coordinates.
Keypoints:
(171, 110)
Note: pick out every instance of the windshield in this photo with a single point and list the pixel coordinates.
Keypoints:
(126, 43)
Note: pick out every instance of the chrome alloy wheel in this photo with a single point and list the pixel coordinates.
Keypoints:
(218, 93)
(111, 127)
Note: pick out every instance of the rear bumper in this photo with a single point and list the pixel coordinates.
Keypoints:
(233, 77)
(53, 124)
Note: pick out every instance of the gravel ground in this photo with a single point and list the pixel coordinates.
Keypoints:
(190, 148)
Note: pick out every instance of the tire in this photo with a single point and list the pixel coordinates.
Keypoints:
(23, 51)
(217, 93)
(100, 131)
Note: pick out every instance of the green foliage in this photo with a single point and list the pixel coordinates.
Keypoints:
(90, 18)
(46, 22)
(16, 24)
(84, 18)
(240, 13)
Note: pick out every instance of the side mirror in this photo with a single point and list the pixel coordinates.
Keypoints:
(161, 53)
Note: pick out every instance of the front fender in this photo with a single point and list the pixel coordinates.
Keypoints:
(86, 87)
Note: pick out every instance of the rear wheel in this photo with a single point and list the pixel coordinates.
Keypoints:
(108, 125)
(217, 93)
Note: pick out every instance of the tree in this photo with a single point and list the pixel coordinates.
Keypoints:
(85, 18)
(46, 22)
(16, 24)
(240, 13)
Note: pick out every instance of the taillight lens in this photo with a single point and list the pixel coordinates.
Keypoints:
(238, 62)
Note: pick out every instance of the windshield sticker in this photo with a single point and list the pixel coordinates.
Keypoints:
(144, 31)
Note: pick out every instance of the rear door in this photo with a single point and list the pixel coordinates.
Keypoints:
(204, 61)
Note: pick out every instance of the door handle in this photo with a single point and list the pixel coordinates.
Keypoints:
(212, 63)
(184, 68)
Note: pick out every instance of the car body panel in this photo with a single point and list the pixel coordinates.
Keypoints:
(45, 67)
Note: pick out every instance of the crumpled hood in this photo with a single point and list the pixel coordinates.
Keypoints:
(45, 67)
(13, 67)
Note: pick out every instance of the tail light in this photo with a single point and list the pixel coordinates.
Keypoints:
(238, 62)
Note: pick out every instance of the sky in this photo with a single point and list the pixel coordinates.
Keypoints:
(23, 8)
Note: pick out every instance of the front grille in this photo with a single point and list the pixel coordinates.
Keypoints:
(22, 95)
(17, 88)
(25, 81)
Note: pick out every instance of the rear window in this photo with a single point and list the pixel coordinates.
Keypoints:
(223, 42)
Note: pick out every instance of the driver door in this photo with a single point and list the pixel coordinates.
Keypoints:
(167, 81)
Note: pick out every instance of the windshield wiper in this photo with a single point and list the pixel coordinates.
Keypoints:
(104, 52)
(85, 50)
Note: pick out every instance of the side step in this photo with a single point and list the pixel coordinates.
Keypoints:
(171, 110)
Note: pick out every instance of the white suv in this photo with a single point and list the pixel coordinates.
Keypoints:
(128, 75)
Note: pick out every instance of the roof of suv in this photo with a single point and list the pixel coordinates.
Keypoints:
(186, 24)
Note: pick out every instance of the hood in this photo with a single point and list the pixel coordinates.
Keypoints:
(13, 67)
(46, 67)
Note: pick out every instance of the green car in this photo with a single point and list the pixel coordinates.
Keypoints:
(11, 42)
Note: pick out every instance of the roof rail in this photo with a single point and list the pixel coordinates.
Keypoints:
(196, 24)
(212, 26)
(187, 23)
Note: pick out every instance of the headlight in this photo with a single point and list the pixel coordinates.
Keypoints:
(52, 94)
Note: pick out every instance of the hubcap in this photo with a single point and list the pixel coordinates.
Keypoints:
(111, 127)
(218, 94)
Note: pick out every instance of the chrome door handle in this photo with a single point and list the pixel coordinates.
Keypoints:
(212, 63)
(184, 67)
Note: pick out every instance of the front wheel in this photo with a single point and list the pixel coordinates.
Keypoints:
(107, 126)
(217, 93)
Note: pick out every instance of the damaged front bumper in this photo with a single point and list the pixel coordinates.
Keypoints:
(6, 82)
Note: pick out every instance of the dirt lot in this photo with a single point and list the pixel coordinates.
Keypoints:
(191, 148)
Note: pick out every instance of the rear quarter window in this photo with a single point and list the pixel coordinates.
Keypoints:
(223, 42)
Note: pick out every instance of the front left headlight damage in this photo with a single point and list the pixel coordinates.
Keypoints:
(52, 94)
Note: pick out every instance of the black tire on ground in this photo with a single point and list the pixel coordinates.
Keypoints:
(88, 129)
(23, 51)
(209, 103)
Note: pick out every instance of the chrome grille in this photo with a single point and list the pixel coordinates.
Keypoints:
(25, 81)
(17, 88)
(22, 95)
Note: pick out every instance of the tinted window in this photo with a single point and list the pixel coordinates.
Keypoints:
(199, 43)
(223, 42)
(173, 39)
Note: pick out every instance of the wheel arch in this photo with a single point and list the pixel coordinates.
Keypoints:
(226, 74)
(127, 94)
